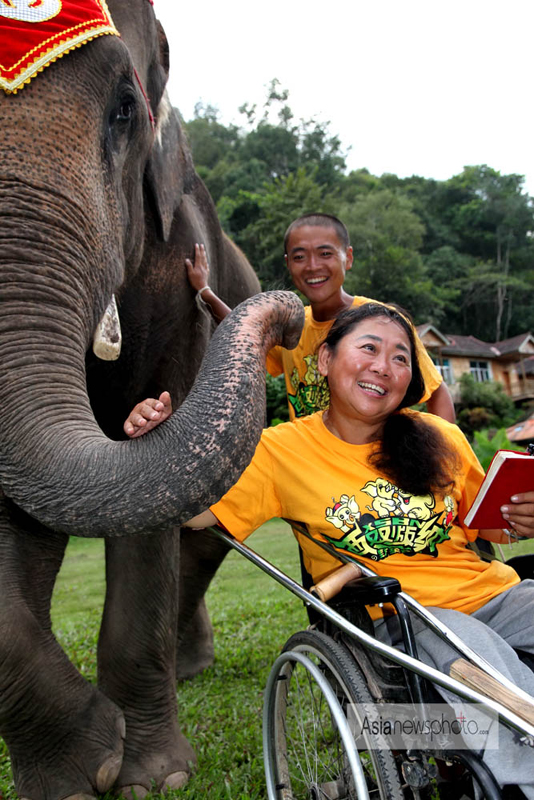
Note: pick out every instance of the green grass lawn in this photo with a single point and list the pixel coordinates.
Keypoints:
(220, 710)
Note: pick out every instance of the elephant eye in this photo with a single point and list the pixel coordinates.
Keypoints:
(124, 111)
(121, 120)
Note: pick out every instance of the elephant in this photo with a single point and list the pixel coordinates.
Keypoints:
(95, 203)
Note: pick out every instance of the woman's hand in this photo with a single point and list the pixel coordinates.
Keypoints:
(198, 271)
(519, 514)
(203, 520)
(147, 415)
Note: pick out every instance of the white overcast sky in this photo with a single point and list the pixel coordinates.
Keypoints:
(411, 86)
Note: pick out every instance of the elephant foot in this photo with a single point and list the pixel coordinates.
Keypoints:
(167, 771)
(85, 762)
(195, 651)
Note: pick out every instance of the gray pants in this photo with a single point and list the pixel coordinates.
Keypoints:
(506, 622)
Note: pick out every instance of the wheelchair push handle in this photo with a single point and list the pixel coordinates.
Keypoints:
(333, 583)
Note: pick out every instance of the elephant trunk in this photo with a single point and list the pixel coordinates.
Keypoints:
(73, 479)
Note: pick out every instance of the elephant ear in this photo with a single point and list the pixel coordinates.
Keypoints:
(169, 171)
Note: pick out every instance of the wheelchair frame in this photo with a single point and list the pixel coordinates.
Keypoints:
(416, 673)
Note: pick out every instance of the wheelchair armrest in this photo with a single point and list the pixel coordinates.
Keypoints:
(368, 590)
(331, 585)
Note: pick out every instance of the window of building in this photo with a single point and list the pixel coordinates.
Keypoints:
(443, 366)
(480, 370)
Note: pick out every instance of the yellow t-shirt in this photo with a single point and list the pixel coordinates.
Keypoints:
(303, 472)
(307, 390)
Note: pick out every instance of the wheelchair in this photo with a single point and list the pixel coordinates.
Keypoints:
(332, 682)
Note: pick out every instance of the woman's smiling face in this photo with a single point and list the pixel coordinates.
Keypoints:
(369, 370)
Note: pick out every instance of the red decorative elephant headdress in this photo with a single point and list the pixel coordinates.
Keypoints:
(34, 33)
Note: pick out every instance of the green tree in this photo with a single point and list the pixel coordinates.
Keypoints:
(479, 224)
(487, 292)
(285, 145)
(210, 140)
(459, 253)
(446, 267)
(279, 202)
(321, 153)
(215, 147)
(270, 145)
(276, 399)
(493, 220)
(386, 236)
(486, 445)
(484, 405)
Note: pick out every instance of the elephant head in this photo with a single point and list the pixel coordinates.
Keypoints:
(84, 212)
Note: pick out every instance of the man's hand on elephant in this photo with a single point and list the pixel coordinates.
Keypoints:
(198, 271)
(148, 415)
(198, 274)
(519, 514)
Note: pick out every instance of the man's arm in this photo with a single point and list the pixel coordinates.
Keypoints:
(198, 273)
(440, 403)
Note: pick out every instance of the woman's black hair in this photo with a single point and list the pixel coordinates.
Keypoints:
(413, 454)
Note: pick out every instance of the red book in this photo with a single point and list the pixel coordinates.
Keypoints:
(509, 473)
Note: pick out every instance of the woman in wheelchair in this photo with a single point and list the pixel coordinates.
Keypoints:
(391, 486)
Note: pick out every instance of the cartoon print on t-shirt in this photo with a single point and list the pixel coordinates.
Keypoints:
(344, 514)
(405, 524)
(449, 505)
(382, 491)
(416, 507)
(310, 393)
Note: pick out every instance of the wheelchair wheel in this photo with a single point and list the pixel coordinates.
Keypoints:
(305, 755)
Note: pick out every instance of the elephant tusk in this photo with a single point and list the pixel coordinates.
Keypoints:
(108, 338)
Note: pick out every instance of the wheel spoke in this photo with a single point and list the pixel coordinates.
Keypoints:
(309, 757)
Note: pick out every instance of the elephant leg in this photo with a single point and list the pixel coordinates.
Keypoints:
(136, 660)
(201, 554)
(64, 737)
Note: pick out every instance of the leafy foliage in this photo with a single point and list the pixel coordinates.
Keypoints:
(484, 405)
(458, 253)
(386, 236)
(282, 200)
(277, 410)
(485, 445)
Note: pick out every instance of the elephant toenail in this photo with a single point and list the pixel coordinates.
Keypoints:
(108, 772)
(133, 792)
(80, 796)
(176, 780)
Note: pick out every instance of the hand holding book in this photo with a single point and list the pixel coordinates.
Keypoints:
(519, 514)
(510, 475)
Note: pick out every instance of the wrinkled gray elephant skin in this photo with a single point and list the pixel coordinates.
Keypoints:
(93, 203)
